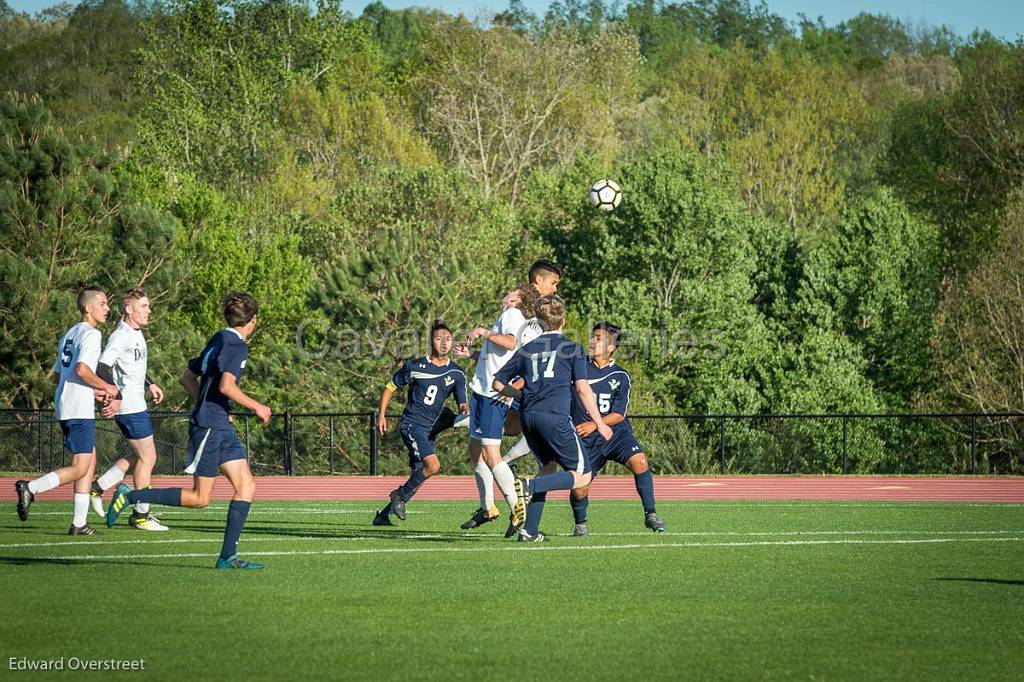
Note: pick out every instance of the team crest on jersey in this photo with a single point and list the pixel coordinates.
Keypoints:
(448, 381)
(614, 384)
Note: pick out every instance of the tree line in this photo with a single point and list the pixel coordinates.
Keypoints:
(816, 218)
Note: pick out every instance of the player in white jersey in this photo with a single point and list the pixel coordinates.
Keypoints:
(489, 412)
(123, 363)
(78, 388)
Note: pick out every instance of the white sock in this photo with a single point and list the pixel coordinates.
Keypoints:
(518, 450)
(141, 508)
(81, 509)
(110, 478)
(506, 483)
(484, 484)
(44, 483)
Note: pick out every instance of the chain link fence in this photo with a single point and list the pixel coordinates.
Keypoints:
(347, 443)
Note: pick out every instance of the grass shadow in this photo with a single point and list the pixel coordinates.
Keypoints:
(991, 581)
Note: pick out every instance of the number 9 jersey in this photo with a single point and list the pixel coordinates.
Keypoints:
(429, 387)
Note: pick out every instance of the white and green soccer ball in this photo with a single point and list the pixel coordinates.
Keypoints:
(605, 194)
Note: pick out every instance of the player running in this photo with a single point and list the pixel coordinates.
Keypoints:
(78, 388)
(431, 380)
(123, 363)
(212, 380)
(611, 385)
(489, 412)
(551, 366)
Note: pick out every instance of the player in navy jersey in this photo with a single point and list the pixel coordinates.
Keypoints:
(611, 385)
(551, 367)
(490, 414)
(431, 379)
(212, 381)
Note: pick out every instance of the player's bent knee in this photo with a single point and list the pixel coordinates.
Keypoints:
(638, 463)
(580, 493)
(431, 465)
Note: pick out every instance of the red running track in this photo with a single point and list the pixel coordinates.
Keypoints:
(890, 489)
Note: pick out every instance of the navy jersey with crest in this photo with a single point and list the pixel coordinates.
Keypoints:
(550, 365)
(224, 352)
(611, 386)
(429, 387)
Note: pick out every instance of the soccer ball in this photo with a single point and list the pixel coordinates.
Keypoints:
(605, 194)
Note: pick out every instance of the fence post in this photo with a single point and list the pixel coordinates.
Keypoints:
(373, 443)
(330, 442)
(288, 443)
(846, 466)
(248, 453)
(974, 444)
(721, 444)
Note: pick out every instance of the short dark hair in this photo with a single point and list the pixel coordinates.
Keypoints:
(613, 329)
(86, 296)
(438, 325)
(239, 308)
(543, 265)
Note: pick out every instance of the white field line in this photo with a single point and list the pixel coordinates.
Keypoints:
(550, 548)
(253, 538)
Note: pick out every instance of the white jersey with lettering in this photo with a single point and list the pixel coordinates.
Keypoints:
(126, 354)
(493, 357)
(75, 398)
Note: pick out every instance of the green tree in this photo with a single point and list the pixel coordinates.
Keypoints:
(63, 214)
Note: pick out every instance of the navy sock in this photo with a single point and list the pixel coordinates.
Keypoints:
(533, 513)
(579, 508)
(169, 497)
(416, 478)
(645, 486)
(560, 480)
(238, 510)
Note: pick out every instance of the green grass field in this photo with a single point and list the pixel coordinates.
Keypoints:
(734, 590)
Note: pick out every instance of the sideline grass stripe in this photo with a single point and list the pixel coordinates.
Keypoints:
(433, 536)
(551, 548)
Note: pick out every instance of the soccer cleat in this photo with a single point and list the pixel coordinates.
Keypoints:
(580, 530)
(519, 509)
(397, 505)
(118, 503)
(145, 522)
(96, 499)
(25, 499)
(480, 517)
(382, 519)
(514, 526)
(461, 422)
(523, 491)
(654, 522)
(526, 537)
(82, 530)
(234, 562)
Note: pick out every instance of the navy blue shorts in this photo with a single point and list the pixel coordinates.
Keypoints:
(135, 426)
(552, 438)
(620, 448)
(209, 448)
(79, 435)
(419, 441)
(487, 419)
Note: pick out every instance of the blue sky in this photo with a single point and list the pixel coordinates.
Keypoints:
(1004, 18)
